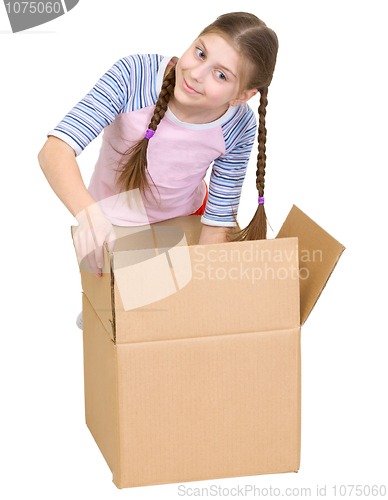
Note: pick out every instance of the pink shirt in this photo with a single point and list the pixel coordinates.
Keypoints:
(177, 173)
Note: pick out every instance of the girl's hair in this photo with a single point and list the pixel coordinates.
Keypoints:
(258, 46)
(133, 173)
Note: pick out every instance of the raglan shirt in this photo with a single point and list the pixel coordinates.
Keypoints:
(121, 104)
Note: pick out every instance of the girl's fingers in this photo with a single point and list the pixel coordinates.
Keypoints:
(86, 248)
(92, 256)
(99, 256)
(89, 239)
(80, 246)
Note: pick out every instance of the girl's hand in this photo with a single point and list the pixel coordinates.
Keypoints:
(94, 229)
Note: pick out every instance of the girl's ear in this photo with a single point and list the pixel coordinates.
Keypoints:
(244, 97)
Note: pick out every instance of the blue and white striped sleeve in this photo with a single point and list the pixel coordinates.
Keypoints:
(97, 109)
(229, 170)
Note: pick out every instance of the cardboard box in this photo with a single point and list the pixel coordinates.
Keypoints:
(192, 353)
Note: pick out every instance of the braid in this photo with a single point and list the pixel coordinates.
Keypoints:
(257, 228)
(262, 137)
(163, 100)
(133, 173)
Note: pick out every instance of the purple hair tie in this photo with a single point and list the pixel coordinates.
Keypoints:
(149, 133)
(261, 200)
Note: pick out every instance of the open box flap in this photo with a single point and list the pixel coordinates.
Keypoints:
(99, 291)
(318, 255)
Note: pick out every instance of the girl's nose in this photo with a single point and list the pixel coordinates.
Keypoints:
(198, 72)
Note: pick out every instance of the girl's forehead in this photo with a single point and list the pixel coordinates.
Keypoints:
(217, 43)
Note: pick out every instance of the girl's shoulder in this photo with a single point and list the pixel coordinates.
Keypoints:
(140, 63)
(243, 113)
(240, 127)
(143, 70)
(140, 76)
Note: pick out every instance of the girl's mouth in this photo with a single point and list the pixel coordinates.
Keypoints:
(187, 88)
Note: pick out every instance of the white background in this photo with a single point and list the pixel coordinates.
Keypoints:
(326, 123)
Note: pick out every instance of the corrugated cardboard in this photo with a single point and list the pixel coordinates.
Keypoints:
(318, 256)
(204, 381)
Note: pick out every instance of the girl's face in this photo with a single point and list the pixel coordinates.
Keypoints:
(207, 76)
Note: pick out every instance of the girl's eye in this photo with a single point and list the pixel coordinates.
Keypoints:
(200, 53)
(220, 75)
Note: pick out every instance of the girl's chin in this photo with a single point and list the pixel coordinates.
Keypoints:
(183, 97)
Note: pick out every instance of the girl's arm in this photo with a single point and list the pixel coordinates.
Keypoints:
(228, 173)
(213, 234)
(58, 163)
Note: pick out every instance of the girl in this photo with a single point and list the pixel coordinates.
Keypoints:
(165, 121)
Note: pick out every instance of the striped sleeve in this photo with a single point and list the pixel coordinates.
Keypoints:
(128, 82)
(229, 170)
